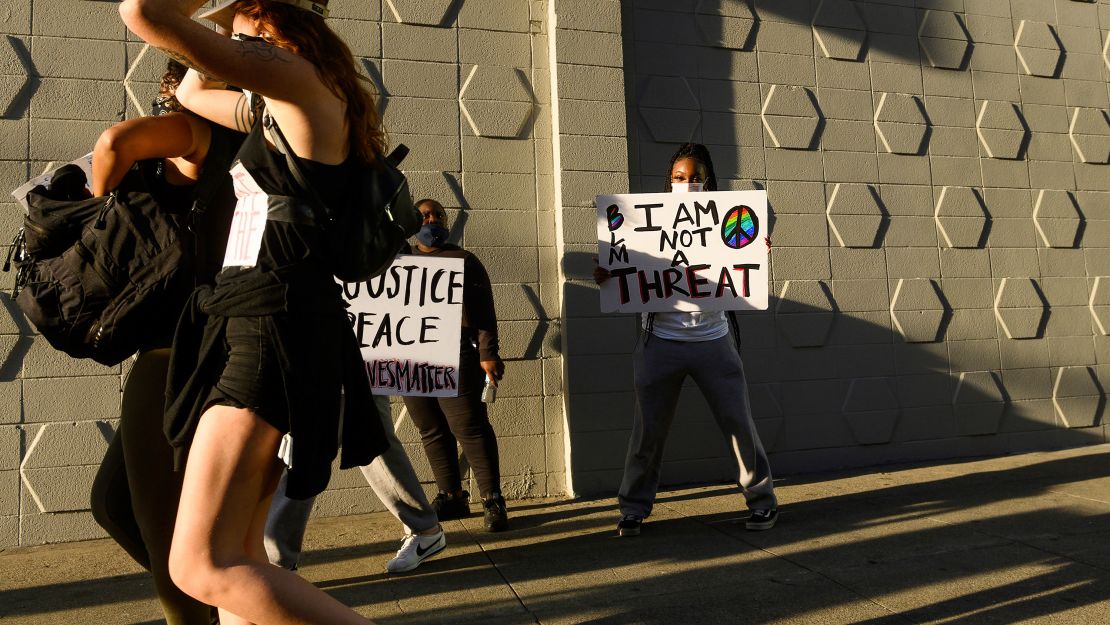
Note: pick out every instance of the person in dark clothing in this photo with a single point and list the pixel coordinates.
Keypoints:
(261, 358)
(445, 422)
(702, 345)
(135, 492)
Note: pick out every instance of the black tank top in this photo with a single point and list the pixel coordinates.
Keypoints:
(284, 243)
(271, 170)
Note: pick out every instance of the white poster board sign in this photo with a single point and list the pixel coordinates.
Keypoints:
(409, 324)
(683, 251)
(20, 193)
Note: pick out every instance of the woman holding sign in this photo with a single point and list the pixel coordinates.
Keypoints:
(446, 422)
(695, 344)
(260, 359)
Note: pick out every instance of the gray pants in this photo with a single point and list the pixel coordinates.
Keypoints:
(659, 368)
(390, 475)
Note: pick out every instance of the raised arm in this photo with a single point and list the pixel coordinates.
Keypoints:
(253, 65)
(169, 136)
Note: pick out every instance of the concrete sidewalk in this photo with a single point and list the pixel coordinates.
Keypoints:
(1004, 540)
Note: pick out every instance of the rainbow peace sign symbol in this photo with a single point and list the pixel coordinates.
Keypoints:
(739, 227)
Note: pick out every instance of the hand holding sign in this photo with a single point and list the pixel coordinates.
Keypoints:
(682, 251)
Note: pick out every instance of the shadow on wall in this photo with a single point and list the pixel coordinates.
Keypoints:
(832, 388)
(894, 332)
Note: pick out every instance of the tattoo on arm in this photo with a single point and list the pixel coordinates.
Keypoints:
(244, 114)
(184, 60)
(260, 50)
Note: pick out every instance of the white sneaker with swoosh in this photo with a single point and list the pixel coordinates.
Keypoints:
(414, 550)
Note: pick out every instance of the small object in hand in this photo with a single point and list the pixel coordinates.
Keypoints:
(489, 393)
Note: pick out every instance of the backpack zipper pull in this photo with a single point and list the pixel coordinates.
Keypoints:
(101, 218)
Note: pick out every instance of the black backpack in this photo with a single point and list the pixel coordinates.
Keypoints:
(366, 235)
(102, 276)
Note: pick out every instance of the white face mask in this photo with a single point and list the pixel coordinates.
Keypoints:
(686, 187)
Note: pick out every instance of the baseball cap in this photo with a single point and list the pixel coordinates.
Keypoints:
(224, 12)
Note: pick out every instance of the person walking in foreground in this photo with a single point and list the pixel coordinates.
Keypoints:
(393, 480)
(260, 360)
(675, 345)
(445, 422)
(184, 161)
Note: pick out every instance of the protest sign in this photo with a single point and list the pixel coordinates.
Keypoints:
(20, 193)
(409, 323)
(683, 251)
(244, 239)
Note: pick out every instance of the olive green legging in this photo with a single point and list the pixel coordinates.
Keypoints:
(135, 494)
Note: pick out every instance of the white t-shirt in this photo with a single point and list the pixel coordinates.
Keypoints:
(688, 326)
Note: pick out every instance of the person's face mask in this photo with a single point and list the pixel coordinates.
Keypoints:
(432, 235)
(686, 187)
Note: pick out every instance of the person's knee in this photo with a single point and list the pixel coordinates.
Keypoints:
(195, 573)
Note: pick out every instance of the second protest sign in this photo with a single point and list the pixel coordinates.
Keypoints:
(409, 322)
(683, 251)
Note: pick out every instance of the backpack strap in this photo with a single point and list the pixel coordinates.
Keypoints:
(294, 162)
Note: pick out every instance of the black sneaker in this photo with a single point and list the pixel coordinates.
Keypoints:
(497, 517)
(762, 519)
(448, 506)
(629, 525)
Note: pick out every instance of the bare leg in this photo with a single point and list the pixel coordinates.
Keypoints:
(217, 553)
(254, 545)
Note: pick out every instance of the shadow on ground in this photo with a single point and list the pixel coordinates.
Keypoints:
(987, 541)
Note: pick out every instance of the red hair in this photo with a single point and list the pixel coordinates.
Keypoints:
(306, 35)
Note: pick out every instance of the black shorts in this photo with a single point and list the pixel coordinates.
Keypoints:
(252, 376)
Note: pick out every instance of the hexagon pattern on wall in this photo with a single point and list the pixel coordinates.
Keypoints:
(871, 410)
(978, 402)
(918, 310)
(901, 123)
(1090, 134)
(1001, 129)
(1020, 308)
(805, 312)
(791, 117)
(1106, 49)
(423, 12)
(855, 215)
(1038, 49)
(143, 67)
(13, 72)
(944, 39)
(1057, 218)
(60, 464)
(728, 24)
(669, 108)
(497, 101)
(1099, 304)
(839, 30)
(961, 217)
(1077, 397)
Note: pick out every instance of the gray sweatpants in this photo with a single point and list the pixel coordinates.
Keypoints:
(659, 369)
(390, 475)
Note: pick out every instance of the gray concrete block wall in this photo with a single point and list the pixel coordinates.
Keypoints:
(464, 85)
(937, 224)
(941, 203)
